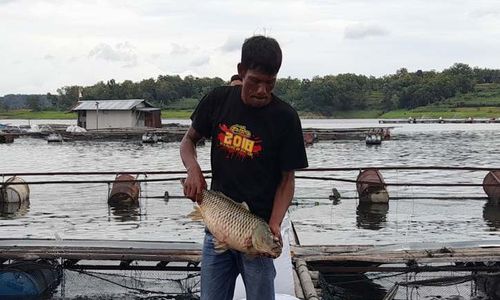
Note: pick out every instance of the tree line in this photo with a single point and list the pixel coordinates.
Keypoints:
(319, 95)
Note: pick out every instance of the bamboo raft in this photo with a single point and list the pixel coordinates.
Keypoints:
(309, 261)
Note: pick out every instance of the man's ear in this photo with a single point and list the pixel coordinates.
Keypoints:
(241, 71)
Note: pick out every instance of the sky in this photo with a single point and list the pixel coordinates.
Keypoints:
(48, 44)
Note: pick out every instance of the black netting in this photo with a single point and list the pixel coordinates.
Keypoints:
(128, 284)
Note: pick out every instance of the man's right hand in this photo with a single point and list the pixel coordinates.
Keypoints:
(194, 184)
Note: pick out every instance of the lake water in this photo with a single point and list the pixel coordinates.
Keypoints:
(81, 210)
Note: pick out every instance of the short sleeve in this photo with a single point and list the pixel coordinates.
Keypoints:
(201, 117)
(293, 153)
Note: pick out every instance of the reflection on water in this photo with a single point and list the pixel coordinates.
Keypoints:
(491, 215)
(371, 215)
(125, 213)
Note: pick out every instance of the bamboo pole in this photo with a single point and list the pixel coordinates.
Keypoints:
(397, 168)
(297, 286)
(305, 280)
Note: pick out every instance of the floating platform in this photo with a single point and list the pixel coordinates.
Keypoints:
(355, 133)
(175, 133)
(325, 259)
(438, 120)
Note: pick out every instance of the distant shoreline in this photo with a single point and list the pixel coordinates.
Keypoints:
(455, 113)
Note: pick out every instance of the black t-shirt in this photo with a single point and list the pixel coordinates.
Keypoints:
(251, 147)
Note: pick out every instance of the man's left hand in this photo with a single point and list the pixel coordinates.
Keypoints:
(276, 231)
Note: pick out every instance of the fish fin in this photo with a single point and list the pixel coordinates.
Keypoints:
(248, 242)
(196, 215)
(219, 246)
(244, 205)
(221, 194)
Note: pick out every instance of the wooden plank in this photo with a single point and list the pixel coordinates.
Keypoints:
(99, 250)
(99, 244)
(424, 256)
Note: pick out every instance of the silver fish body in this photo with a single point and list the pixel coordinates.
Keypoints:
(234, 226)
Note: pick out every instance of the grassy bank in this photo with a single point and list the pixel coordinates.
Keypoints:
(27, 114)
(423, 112)
(176, 114)
(447, 113)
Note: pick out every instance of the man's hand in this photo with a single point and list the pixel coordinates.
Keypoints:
(276, 231)
(194, 184)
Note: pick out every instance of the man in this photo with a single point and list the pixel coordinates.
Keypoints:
(257, 144)
(235, 80)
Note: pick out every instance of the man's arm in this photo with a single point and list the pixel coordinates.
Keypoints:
(282, 200)
(195, 182)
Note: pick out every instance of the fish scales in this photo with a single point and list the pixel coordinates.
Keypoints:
(235, 226)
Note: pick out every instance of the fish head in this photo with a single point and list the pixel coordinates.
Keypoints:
(265, 242)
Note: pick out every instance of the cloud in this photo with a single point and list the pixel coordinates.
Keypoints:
(361, 31)
(122, 52)
(200, 61)
(232, 44)
(485, 12)
(48, 57)
(179, 49)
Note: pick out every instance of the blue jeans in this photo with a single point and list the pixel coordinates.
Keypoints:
(220, 270)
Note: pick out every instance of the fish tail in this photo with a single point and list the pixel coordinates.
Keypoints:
(195, 215)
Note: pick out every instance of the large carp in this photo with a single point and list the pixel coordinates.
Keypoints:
(234, 226)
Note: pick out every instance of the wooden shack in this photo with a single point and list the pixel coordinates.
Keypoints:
(107, 114)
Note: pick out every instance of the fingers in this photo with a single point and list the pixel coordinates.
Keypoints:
(193, 190)
(187, 192)
(278, 239)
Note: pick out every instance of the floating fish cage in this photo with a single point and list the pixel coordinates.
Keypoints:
(103, 269)
(125, 191)
(100, 269)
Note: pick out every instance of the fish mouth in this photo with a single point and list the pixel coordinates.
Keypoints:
(276, 251)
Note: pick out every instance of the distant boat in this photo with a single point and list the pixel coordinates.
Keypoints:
(54, 138)
(150, 138)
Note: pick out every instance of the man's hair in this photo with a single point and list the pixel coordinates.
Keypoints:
(235, 77)
(261, 53)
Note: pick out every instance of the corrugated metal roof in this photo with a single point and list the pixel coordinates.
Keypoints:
(110, 104)
(148, 108)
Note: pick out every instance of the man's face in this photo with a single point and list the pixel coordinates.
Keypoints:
(257, 87)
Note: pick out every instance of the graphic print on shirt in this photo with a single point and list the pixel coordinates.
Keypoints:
(237, 141)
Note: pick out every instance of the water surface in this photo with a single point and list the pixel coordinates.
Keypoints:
(81, 210)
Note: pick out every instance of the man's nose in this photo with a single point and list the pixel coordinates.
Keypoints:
(262, 89)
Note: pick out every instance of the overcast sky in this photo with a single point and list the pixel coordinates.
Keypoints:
(47, 44)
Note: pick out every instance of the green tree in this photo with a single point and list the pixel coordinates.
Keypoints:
(67, 97)
(3, 105)
(33, 102)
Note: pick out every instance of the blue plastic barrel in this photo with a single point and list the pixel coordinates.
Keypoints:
(29, 279)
